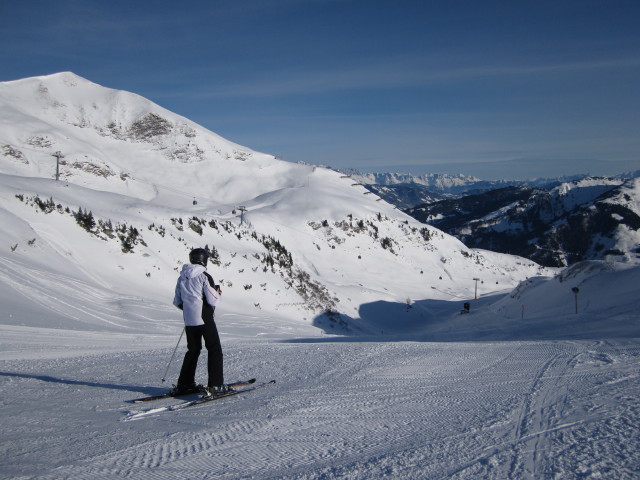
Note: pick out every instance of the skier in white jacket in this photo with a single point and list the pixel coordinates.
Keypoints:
(197, 296)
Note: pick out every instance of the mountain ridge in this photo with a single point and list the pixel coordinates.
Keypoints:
(406, 191)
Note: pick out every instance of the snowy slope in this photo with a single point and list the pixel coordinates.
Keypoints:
(344, 246)
(480, 395)
(410, 388)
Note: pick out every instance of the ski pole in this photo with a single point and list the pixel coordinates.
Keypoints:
(173, 355)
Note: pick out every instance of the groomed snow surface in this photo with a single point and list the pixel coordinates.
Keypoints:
(342, 408)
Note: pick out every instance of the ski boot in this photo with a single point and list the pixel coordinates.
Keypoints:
(178, 390)
(210, 392)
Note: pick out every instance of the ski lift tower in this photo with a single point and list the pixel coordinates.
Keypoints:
(242, 210)
(58, 156)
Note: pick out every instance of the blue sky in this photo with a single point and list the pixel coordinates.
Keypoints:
(496, 89)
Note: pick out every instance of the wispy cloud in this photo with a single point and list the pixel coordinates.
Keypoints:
(394, 74)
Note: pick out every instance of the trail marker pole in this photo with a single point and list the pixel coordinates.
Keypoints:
(476, 294)
(576, 290)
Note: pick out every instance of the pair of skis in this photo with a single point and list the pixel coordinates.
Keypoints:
(243, 383)
(238, 388)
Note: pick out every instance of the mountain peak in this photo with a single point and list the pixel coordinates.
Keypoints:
(66, 79)
(66, 76)
(116, 141)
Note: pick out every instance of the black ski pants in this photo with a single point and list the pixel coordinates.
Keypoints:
(209, 332)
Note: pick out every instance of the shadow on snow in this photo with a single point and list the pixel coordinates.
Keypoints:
(65, 381)
(444, 321)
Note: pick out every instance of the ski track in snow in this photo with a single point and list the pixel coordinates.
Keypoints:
(86, 304)
(339, 410)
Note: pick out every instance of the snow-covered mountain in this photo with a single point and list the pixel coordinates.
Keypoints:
(140, 186)
(436, 181)
(538, 378)
(588, 219)
(406, 191)
(119, 142)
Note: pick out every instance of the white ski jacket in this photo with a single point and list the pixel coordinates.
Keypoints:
(192, 289)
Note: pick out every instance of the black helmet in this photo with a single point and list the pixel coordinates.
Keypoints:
(199, 256)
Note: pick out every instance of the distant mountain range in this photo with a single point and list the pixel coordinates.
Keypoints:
(587, 219)
(553, 221)
(406, 191)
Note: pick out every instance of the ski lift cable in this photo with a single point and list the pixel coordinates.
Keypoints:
(225, 205)
(187, 194)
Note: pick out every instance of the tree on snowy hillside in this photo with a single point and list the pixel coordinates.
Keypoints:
(85, 219)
